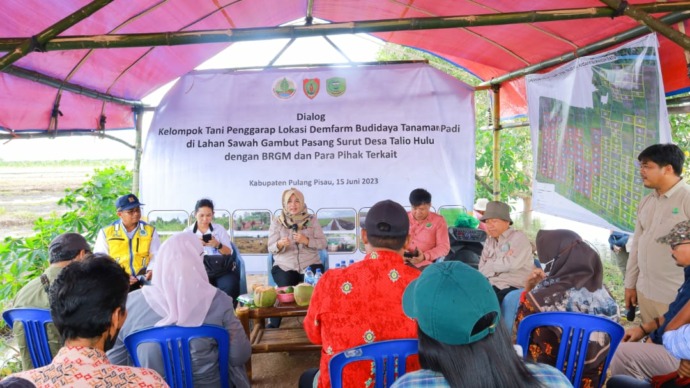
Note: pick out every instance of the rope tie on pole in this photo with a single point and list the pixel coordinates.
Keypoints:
(54, 114)
(36, 46)
(621, 8)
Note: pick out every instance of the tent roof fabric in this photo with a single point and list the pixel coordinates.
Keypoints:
(133, 73)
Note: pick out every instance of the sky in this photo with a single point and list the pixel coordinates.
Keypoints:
(313, 50)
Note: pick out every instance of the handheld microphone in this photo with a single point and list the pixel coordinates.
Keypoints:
(294, 230)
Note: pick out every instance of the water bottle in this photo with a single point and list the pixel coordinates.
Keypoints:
(352, 261)
(317, 276)
(342, 264)
(309, 276)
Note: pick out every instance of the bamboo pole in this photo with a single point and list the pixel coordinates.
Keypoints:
(36, 42)
(496, 116)
(64, 85)
(645, 19)
(138, 119)
(371, 26)
(49, 135)
(591, 48)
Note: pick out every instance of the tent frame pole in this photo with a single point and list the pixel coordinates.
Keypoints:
(644, 18)
(367, 26)
(37, 42)
(496, 118)
(139, 122)
(591, 48)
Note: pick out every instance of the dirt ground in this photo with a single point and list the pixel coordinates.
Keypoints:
(27, 193)
(280, 369)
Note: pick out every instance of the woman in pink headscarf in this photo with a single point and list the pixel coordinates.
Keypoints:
(180, 294)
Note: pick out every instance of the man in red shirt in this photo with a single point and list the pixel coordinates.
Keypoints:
(363, 302)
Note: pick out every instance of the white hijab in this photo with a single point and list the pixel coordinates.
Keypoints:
(179, 290)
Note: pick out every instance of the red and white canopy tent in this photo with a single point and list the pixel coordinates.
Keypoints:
(84, 66)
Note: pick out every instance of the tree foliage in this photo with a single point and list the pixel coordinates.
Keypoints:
(516, 152)
(680, 133)
(91, 206)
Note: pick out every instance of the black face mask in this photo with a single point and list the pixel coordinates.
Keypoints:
(110, 341)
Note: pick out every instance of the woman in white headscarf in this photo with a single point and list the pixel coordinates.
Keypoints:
(180, 294)
(294, 238)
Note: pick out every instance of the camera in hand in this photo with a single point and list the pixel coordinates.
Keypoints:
(410, 255)
(207, 237)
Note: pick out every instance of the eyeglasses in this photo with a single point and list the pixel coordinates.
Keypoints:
(132, 211)
(674, 246)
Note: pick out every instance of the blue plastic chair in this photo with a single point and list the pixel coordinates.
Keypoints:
(323, 255)
(174, 342)
(240, 262)
(35, 332)
(576, 329)
(383, 354)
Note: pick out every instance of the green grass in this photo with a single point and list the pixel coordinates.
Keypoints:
(613, 281)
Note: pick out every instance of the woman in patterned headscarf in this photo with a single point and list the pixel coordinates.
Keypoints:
(294, 238)
(571, 280)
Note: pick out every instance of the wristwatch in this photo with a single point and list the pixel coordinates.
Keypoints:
(220, 246)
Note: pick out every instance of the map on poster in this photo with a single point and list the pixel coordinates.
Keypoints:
(590, 119)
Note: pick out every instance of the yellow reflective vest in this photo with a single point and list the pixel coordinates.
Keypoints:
(132, 255)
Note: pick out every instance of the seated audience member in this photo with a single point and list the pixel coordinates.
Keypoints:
(63, 249)
(467, 251)
(363, 302)
(87, 303)
(478, 211)
(428, 231)
(461, 341)
(507, 255)
(224, 274)
(180, 294)
(643, 360)
(130, 241)
(570, 281)
(677, 342)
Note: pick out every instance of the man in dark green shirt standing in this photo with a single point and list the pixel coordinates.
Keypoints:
(63, 249)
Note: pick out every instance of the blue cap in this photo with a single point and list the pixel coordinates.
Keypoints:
(126, 202)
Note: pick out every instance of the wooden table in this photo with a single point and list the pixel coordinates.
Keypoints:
(265, 340)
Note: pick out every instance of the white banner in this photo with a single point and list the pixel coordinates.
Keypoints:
(589, 120)
(347, 137)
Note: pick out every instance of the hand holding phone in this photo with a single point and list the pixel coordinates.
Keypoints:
(206, 238)
(410, 255)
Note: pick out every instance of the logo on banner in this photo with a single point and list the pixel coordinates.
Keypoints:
(311, 87)
(335, 86)
(284, 88)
